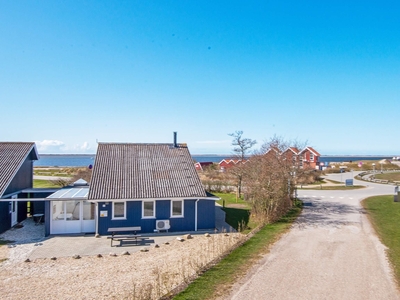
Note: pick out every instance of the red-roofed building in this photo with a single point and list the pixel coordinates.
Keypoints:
(309, 158)
(201, 165)
(291, 153)
(272, 152)
(229, 163)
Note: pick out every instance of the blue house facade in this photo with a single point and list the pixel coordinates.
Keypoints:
(154, 186)
(197, 214)
(16, 174)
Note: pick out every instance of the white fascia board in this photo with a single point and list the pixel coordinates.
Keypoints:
(24, 199)
(155, 199)
(36, 151)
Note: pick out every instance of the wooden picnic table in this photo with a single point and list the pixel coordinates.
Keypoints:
(121, 237)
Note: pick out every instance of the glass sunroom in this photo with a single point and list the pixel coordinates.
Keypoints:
(71, 212)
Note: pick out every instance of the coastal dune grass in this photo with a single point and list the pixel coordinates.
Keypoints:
(218, 280)
(389, 176)
(384, 215)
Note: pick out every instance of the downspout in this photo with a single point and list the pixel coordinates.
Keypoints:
(97, 219)
(195, 215)
(30, 204)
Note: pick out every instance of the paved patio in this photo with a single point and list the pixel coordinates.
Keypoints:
(30, 238)
(88, 245)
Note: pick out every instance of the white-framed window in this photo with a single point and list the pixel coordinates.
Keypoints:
(118, 210)
(311, 157)
(148, 209)
(177, 208)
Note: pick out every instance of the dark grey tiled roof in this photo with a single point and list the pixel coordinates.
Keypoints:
(12, 155)
(141, 171)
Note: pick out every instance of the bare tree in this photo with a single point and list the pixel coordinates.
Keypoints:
(270, 179)
(241, 150)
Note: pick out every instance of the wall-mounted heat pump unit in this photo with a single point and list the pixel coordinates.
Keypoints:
(162, 225)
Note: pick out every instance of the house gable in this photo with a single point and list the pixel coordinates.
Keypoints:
(309, 157)
(201, 165)
(16, 166)
(291, 153)
(272, 152)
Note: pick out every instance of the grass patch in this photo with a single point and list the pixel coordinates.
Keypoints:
(352, 187)
(237, 212)
(57, 174)
(333, 181)
(330, 187)
(384, 215)
(217, 280)
(366, 165)
(4, 242)
(318, 182)
(40, 183)
(230, 200)
(389, 176)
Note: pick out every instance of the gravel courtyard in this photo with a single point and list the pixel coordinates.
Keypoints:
(137, 275)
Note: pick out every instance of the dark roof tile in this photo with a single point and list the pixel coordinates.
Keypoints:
(12, 156)
(142, 171)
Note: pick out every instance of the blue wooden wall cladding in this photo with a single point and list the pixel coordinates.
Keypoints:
(206, 216)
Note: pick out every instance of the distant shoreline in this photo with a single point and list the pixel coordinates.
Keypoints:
(84, 160)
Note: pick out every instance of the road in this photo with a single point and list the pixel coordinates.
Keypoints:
(330, 253)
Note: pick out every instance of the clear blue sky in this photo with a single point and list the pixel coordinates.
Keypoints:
(326, 72)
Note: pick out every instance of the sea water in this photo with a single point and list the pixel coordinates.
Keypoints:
(84, 160)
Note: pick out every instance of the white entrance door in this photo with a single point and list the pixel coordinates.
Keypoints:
(14, 211)
(88, 217)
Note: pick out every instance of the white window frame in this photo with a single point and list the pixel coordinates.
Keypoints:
(154, 209)
(311, 156)
(112, 212)
(183, 209)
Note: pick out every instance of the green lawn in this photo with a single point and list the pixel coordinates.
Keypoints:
(237, 212)
(384, 214)
(39, 183)
(219, 278)
(333, 181)
(4, 242)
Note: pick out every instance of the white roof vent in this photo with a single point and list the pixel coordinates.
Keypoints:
(80, 182)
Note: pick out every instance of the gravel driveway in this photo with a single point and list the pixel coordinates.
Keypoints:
(331, 253)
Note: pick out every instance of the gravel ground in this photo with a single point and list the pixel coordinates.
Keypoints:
(140, 275)
(25, 240)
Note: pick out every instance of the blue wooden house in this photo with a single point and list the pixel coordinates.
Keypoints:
(16, 175)
(154, 186)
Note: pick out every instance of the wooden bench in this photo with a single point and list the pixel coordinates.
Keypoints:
(121, 237)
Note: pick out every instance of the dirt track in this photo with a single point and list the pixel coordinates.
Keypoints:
(331, 253)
